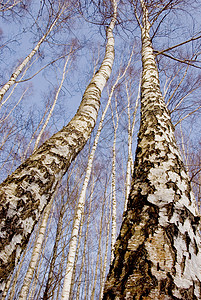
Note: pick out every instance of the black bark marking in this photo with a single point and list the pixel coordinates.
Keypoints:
(187, 240)
(183, 264)
(195, 247)
(170, 209)
(195, 220)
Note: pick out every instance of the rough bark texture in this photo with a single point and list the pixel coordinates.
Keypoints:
(157, 253)
(25, 193)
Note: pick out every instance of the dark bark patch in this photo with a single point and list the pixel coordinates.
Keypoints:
(167, 285)
(171, 184)
(183, 215)
(170, 209)
(195, 220)
(183, 264)
(188, 294)
(172, 231)
(19, 191)
(187, 240)
(195, 247)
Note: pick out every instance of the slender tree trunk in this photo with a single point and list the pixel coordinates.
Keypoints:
(25, 62)
(114, 201)
(33, 293)
(130, 141)
(76, 257)
(104, 205)
(35, 253)
(108, 61)
(64, 73)
(25, 193)
(106, 254)
(50, 280)
(157, 254)
(85, 243)
(80, 208)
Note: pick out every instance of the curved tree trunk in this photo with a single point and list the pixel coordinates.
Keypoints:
(74, 235)
(26, 192)
(157, 253)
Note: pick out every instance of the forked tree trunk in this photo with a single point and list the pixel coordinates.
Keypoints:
(25, 193)
(157, 253)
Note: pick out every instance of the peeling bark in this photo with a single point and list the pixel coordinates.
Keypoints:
(157, 253)
(26, 192)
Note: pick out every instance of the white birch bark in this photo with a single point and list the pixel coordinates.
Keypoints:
(76, 257)
(25, 193)
(106, 255)
(39, 262)
(54, 102)
(81, 201)
(98, 259)
(85, 244)
(13, 289)
(114, 208)
(35, 254)
(157, 254)
(130, 141)
(49, 284)
(80, 207)
(25, 62)
(99, 77)
(23, 73)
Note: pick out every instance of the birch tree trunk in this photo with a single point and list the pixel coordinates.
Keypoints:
(49, 284)
(25, 62)
(157, 253)
(130, 141)
(81, 202)
(35, 254)
(106, 254)
(64, 73)
(114, 201)
(85, 242)
(26, 192)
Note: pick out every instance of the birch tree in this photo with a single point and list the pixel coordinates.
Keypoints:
(66, 8)
(35, 254)
(157, 253)
(131, 126)
(26, 192)
(114, 202)
(76, 225)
